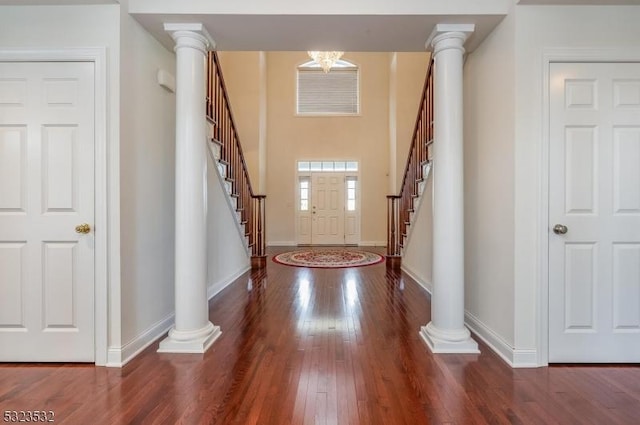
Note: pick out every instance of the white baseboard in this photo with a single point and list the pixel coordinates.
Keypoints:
(120, 356)
(215, 289)
(282, 243)
(525, 358)
(372, 243)
(516, 358)
(492, 339)
(426, 285)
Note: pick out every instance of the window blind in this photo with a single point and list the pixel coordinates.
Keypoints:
(335, 92)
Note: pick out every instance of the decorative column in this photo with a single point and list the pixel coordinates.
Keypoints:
(193, 332)
(446, 332)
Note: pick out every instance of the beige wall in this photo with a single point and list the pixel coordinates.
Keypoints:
(388, 94)
(241, 72)
(410, 73)
(363, 138)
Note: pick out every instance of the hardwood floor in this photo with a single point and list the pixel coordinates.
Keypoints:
(312, 346)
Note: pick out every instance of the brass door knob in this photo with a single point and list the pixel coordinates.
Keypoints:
(560, 229)
(83, 228)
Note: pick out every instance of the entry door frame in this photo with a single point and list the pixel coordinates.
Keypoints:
(298, 213)
(106, 177)
(551, 55)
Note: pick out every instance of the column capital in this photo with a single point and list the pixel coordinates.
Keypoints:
(449, 36)
(191, 35)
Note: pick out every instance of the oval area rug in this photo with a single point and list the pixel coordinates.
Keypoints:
(328, 258)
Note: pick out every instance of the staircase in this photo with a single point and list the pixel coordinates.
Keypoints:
(402, 207)
(227, 151)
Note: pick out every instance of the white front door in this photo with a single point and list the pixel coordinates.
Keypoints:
(46, 190)
(327, 209)
(594, 268)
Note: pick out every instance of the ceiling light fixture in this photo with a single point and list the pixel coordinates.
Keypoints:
(325, 59)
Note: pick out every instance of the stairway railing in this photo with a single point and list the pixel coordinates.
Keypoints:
(400, 207)
(250, 206)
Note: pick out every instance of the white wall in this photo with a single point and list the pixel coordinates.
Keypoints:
(489, 120)
(417, 255)
(147, 163)
(540, 27)
(227, 254)
(55, 27)
(503, 168)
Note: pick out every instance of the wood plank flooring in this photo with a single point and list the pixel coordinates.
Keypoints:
(312, 346)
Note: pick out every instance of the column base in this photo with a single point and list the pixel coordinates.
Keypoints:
(197, 341)
(443, 342)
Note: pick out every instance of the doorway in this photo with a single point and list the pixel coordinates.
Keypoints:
(328, 199)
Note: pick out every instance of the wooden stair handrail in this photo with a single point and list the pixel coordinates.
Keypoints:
(250, 206)
(399, 207)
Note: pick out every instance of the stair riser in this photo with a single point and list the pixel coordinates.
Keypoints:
(222, 168)
(421, 187)
(217, 150)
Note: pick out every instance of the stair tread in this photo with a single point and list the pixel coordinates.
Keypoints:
(216, 141)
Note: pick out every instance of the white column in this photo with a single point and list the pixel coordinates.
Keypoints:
(193, 332)
(446, 332)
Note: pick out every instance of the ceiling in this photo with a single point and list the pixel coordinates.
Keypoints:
(356, 33)
(356, 25)
(298, 25)
(580, 2)
(54, 2)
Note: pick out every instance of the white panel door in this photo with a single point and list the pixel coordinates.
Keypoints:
(594, 268)
(46, 190)
(327, 199)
